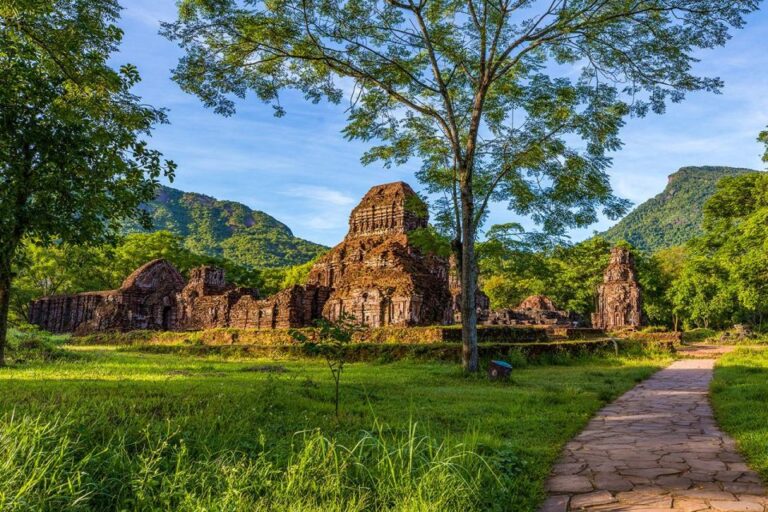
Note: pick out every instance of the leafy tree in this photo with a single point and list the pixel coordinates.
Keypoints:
(298, 274)
(48, 270)
(735, 220)
(701, 295)
(334, 338)
(579, 271)
(139, 248)
(430, 241)
(73, 161)
(513, 265)
(725, 280)
(483, 92)
(654, 284)
(658, 279)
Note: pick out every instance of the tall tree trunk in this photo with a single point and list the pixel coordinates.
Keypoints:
(5, 300)
(469, 356)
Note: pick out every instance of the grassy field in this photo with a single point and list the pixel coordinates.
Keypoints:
(116, 430)
(740, 400)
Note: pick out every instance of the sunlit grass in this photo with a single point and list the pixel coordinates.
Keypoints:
(412, 436)
(740, 400)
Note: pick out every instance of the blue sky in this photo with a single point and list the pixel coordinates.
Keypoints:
(300, 170)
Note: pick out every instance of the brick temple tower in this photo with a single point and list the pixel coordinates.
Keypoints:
(619, 295)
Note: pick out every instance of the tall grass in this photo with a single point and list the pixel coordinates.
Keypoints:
(45, 465)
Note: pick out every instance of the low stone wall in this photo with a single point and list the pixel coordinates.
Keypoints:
(383, 352)
(435, 335)
(671, 337)
(270, 337)
(577, 333)
(499, 334)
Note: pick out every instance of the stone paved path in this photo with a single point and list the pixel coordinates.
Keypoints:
(656, 448)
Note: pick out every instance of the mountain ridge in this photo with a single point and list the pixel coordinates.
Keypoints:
(673, 216)
(227, 229)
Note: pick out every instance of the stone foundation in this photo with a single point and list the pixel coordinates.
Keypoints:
(535, 310)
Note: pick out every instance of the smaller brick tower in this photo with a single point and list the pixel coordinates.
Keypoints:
(619, 296)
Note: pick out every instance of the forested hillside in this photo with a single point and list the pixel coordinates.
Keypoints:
(227, 229)
(674, 216)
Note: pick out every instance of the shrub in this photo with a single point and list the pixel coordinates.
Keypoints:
(699, 334)
(30, 344)
(334, 337)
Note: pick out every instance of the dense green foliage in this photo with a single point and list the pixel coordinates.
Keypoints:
(569, 275)
(725, 276)
(226, 229)
(738, 393)
(122, 431)
(74, 159)
(674, 216)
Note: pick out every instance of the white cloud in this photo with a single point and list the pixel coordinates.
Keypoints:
(319, 194)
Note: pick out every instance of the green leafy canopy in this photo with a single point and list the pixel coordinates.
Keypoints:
(478, 90)
(725, 278)
(74, 160)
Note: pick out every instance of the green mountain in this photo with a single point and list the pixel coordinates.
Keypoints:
(674, 216)
(227, 229)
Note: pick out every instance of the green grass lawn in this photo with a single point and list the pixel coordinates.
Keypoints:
(740, 399)
(118, 430)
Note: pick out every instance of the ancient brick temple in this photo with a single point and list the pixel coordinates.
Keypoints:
(375, 274)
(145, 300)
(619, 295)
(157, 297)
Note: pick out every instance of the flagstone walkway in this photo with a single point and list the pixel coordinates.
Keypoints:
(657, 448)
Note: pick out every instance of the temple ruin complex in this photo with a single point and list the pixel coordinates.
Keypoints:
(375, 274)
